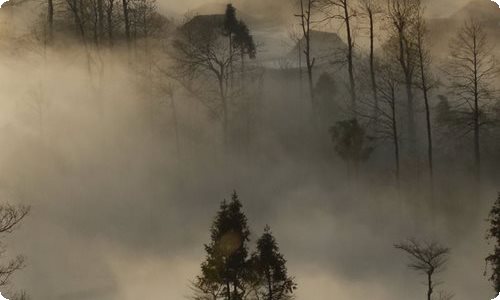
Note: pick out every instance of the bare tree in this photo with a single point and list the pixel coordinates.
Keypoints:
(402, 15)
(426, 258)
(296, 37)
(50, 18)
(203, 64)
(109, 9)
(371, 8)
(471, 70)
(426, 84)
(307, 9)
(126, 21)
(10, 218)
(386, 111)
(341, 9)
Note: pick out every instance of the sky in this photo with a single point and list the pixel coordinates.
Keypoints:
(435, 7)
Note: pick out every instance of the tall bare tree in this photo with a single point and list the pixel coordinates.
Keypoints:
(307, 10)
(371, 8)
(341, 9)
(50, 19)
(10, 218)
(203, 61)
(109, 9)
(402, 15)
(425, 83)
(126, 22)
(426, 258)
(471, 70)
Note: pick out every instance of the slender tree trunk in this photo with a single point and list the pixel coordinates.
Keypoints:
(429, 286)
(126, 19)
(176, 125)
(477, 149)
(412, 134)
(225, 117)
(228, 291)
(395, 137)
(100, 14)
(301, 82)
(306, 29)
(350, 64)
(372, 70)
(404, 60)
(425, 90)
(269, 286)
(109, 15)
(50, 18)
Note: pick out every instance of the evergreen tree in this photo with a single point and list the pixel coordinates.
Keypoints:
(493, 234)
(243, 40)
(270, 267)
(230, 25)
(351, 142)
(230, 21)
(225, 270)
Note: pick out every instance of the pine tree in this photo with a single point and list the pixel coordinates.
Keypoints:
(230, 26)
(224, 272)
(270, 267)
(493, 234)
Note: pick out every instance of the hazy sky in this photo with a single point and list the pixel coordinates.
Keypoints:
(435, 7)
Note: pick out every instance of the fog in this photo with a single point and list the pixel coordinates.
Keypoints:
(121, 209)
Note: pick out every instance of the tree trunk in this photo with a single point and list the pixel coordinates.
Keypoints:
(100, 14)
(395, 137)
(350, 65)
(50, 18)
(127, 22)
(429, 286)
(225, 118)
(404, 60)
(425, 90)
(176, 125)
(269, 286)
(477, 149)
(228, 291)
(372, 71)
(109, 16)
(306, 29)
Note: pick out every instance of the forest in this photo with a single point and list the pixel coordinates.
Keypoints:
(252, 150)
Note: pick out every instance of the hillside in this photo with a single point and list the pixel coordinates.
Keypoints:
(442, 30)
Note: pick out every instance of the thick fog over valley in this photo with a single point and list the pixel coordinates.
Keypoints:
(160, 149)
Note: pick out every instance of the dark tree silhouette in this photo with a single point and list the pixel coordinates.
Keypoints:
(307, 9)
(472, 69)
(493, 235)
(425, 83)
(351, 142)
(402, 15)
(10, 218)
(370, 9)
(426, 258)
(270, 266)
(342, 10)
(226, 267)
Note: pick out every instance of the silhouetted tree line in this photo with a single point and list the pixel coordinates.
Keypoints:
(101, 22)
(387, 86)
